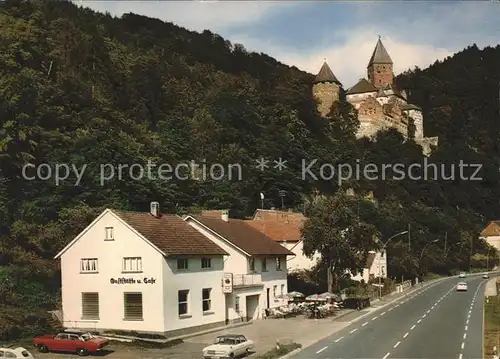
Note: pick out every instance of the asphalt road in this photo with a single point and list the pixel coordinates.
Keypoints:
(435, 322)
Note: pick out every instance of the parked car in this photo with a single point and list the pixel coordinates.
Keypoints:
(462, 286)
(77, 342)
(486, 276)
(15, 353)
(228, 346)
(462, 275)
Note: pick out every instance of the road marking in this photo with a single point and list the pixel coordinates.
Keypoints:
(465, 336)
(404, 336)
(466, 327)
(467, 322)
(469, 311)
(339, 339)
(385, 357)
(390, 309)
(321, 350)
(374, 318)
(463, 344)
(364, 324)
(395, 346)
(352, 331)
(382, 314)
(418, 321)
(428, 311)
(413, 327)
(397, 305)
(460, 356)
(423, 316)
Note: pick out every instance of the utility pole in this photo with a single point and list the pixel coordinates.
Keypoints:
(261, 200)
(409, 238)
(282, 194)
(445, 240)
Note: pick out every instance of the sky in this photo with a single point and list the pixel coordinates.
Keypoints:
(304, 34)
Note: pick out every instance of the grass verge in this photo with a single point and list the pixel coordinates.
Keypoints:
(278, 353)
(491, 325)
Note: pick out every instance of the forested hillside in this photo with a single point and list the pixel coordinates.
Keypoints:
(81, 88)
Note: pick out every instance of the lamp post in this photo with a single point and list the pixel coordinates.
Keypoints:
(423, 250)
(380, 262)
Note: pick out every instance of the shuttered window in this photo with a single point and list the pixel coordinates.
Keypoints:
(133, 306)
(90, 305)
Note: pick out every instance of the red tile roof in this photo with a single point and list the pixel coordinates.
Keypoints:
(243, 236)
(274, 215)
(278, 231)
(492, 229)
(170, 234)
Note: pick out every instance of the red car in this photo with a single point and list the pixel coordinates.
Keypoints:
(77, 342)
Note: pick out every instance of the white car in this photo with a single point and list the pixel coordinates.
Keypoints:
(15, 353)
(462, 275)
(462, 286)
(228, 346)
(485, 276)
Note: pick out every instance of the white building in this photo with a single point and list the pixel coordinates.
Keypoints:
(285, 228)
(142, 272)
(257, 264)
(491, 234)
(376, 266)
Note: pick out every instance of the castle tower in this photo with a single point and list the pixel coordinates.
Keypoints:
(380, 70)
(326, 89)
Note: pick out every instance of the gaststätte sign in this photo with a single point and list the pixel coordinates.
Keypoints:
(132, 281)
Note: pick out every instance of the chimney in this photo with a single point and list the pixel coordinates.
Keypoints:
(225, 215)
(155, 209)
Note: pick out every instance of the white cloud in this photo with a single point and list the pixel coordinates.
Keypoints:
(348, 61)
(193, 15)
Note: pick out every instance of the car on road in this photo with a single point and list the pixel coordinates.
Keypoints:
(15, 353)
(462, 287)
(486, 276)
(228, 346)
(77, 342)
(462, 275)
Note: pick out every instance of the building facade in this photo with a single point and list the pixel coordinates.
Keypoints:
(142, 272)
(491, 234)
(376, 266)
(379, 103)
(256, 266)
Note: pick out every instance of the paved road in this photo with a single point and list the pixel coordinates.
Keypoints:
(435, 322)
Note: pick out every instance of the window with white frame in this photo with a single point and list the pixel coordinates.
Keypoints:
(90, 305)
(207, 301)
(110, 235)
(182, 263)
(278, 263)
(206, 263)
(264, 264)
(89, 265)
(183, 296)
(132, 303)
(132, 264)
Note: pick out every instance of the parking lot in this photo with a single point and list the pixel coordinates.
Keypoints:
(264, 333)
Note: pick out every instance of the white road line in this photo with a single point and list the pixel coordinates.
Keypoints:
(352, 331)
(428, 311)
(460, 356)
(396, 345)
(385, 357)
(465, 335)
(418, 321)
(423, 316)
(374, 318)
(467, 322)
(466, 327)
(390, 309)
(413, 327)
(321, 350)
(469, 311)
(463, 344)
(404, 336)
(397, 305)
(339, 339)
(364, 324)
(382, 314)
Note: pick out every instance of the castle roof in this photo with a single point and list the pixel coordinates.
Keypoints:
(362, 86)
(325, 74)
(380, 55)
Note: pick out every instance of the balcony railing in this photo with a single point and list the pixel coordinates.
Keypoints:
(240, 280)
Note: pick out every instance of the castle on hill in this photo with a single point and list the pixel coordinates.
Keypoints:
(379, 103)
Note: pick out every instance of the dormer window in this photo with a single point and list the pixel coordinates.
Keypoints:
(182, 264)
(109, 234)
(206, 263)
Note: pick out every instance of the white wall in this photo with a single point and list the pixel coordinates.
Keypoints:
(193, 279)
(300, 261)
(374, 269)
(110, 254)
(493, 241)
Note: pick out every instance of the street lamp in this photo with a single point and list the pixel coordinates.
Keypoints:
(422, 253)
(380, 262)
